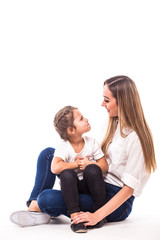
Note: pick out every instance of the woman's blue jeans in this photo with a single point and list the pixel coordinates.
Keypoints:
(45, 179)
(51, 201)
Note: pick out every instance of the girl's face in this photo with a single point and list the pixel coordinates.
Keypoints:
(109, 102)
(81, 123)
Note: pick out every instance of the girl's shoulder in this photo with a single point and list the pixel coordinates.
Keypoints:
(62, 144)
(89, 139)
(92, 142)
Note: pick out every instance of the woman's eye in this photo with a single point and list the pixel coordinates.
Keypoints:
(106, 101)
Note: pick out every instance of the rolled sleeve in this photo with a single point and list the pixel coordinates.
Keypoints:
(130, 181)
(134, 174)
(126, 162)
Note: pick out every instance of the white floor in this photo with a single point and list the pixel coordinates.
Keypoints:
(146, 227)
(142, 224)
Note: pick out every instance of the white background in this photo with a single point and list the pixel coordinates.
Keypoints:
(55, 53)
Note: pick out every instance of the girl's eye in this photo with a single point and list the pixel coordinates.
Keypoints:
(106, 101)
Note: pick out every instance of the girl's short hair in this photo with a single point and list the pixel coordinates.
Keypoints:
(63, 120)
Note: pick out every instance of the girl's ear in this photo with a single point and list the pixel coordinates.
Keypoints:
(70, 130)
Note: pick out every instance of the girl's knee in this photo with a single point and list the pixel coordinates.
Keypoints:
(92, 171)
(67, 174)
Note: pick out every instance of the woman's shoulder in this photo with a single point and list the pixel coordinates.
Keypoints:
(133, 141)
(130, 133)
(130, 136)
(133, 135)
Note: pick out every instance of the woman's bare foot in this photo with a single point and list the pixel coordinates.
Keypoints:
(33, 207)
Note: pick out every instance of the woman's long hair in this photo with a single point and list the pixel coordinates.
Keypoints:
(130, 114)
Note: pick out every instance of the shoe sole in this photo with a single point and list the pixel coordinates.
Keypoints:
(81, 231)
(27, 218)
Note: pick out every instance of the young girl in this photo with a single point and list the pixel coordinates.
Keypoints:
(80, 162)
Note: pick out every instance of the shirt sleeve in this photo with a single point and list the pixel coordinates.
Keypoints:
(135, 172)
(61, 151)
(97, 153)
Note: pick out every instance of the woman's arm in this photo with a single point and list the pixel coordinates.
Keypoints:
(102, 163)
(58, 165)
(93, 218)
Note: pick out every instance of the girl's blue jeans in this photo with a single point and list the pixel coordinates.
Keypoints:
(51, 201)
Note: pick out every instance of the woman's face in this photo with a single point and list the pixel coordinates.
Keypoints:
(109, 102)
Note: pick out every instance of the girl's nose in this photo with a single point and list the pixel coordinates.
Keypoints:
(86, 119)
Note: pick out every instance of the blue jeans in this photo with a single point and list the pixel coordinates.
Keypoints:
(51, 201)
(45, 179)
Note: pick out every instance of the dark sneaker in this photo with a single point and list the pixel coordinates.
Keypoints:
(78, 228)
(98, 225)
(27, 218)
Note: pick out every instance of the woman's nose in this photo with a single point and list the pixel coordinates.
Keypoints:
(103, 104)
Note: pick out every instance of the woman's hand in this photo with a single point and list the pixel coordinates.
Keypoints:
(88, 218)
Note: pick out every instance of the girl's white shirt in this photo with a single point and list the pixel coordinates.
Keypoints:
(126, 161)
(91, 149)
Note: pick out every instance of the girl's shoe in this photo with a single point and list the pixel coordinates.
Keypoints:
(78, 228)
(99, 224)
(27, 218)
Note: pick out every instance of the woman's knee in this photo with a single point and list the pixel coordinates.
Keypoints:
(45, 153)
(51, 202)
(45, 198)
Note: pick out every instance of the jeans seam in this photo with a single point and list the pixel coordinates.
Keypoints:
(120, 217)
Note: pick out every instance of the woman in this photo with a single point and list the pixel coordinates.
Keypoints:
(128, 147)
(129, 151)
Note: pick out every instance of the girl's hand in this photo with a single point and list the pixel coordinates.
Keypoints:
(88, 218)
(76, 160)
(83, 162)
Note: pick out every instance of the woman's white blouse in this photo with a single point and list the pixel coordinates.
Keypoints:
(126, 162)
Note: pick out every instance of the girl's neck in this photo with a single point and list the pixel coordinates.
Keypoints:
(76, 140)
(77, 144)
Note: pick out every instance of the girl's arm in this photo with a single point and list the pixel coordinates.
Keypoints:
(93, 218)
(58, 165)
(102, 163)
